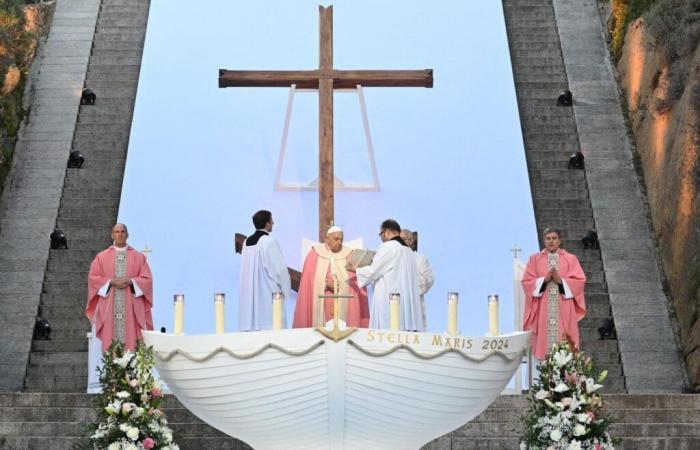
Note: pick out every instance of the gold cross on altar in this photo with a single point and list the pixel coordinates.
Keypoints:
(325, 80)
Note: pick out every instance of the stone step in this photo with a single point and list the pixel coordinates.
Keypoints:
(118, 146)
(70, 255)
(59, 359)
(64, 345)
(117, 45)
(53, 306)
(73, 322)
(69, 334)
(120, 22)
(517, 54)
(69, 212)
(547, 153)
(551, 210)
(74, 383)
(104, 118)
(558, 193)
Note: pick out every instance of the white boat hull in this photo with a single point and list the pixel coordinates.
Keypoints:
(298, 389)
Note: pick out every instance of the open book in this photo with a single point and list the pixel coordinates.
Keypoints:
(360, 258)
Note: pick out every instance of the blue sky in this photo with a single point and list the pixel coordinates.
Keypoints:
(450, 159)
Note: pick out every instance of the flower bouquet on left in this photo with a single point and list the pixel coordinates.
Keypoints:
(129, 414)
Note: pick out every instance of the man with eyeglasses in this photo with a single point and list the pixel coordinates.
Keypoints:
(393, 270)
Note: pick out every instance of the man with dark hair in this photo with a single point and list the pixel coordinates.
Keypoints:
(263, 272)
(553, 283)
(391, 225)
(393, 270)
(261, 219)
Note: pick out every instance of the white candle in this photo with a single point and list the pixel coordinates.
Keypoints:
(277, 298)
(219, 302)
(493, 315)
(452, 302)
(179, 304)
(395, 311)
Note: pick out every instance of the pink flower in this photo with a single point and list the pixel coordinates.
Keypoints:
(156, 392)
(566, 401)
(148, 443)
(591, 415)
(134, 383)
(571, 377)
(597, 447)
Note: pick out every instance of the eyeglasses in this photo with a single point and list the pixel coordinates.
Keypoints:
(381, 233)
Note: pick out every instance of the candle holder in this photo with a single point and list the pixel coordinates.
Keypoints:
(219, 306)
(493, 314)
(394, 310)
(452, 309)
(179, 306)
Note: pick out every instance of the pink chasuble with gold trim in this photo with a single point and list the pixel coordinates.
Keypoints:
(537, 311)
(137, 310)
(317, 272)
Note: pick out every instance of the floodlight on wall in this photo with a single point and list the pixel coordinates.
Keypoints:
(565, 98)
(42, 329)
(607, 331)
(88, 97)
(577, 161)
(58, 240)
(590, 239)
(75, 160)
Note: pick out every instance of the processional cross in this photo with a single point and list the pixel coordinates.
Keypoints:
(325, 80)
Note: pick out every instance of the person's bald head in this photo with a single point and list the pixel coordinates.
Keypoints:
(407, 236)
(119, 234)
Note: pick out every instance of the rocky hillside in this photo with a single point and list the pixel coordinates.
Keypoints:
(659, 67)
(21, 27)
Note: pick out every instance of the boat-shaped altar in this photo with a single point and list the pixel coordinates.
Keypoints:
(317, 389)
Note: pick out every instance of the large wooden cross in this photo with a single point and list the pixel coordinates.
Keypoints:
(325, 79)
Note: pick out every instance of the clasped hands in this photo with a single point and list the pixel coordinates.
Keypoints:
(553, 275)
(121, 282)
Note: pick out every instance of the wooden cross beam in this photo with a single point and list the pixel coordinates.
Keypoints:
(325, 80)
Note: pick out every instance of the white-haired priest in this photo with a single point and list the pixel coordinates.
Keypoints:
(263, 272)
(324, 273)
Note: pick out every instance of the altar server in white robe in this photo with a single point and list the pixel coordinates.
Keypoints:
(425, 272)
(263, 272)
(393, 269)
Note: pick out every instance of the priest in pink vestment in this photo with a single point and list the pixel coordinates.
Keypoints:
(553, 283)
(120, 292)
(324, 273)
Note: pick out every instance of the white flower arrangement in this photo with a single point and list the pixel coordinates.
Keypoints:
(129, 406)
(565, 405)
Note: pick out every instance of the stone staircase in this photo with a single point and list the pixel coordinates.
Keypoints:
(651, 422)
(90, 198)
(560, 196)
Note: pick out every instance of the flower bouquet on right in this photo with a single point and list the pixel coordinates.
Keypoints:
(565, 405)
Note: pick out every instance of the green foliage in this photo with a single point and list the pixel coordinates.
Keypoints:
(625, 12)
(565, 405)
(16, 49)
(12, 7)
(129, 411)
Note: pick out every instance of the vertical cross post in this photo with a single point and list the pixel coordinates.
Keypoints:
(325, 126)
